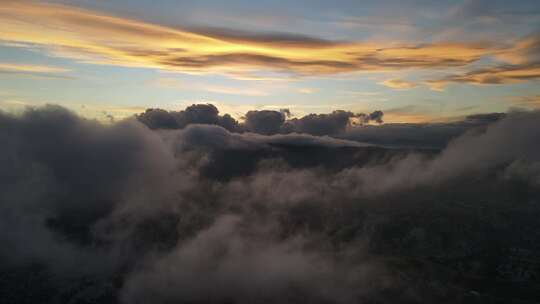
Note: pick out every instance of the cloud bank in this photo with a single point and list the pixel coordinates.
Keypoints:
(137, 212)
(266, 122)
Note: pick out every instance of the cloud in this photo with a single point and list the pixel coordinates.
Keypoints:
(398, 84)
(521, 63)
(525, 50)
(123, 212)
(194, 114)
(243, 270)
(526, 101)
(25, 68)
(419, 135)
(330, 124)
(33, 70)
(77, 33)
(173, 83)
(307, 90)
(235, 91)
(376, 116)
(485, 118)
(504, 74)
(215, 138)
(68, 191)
(266, 122)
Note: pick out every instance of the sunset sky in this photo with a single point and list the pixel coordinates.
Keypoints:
(415, 60)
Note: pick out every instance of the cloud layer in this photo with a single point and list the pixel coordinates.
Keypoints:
(123, 213)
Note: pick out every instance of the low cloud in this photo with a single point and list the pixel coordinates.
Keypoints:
(136, 213)
(330, 124)
(266, 122)
(195, 114)
(419, 135)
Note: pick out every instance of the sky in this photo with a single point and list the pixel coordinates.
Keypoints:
(418, 61)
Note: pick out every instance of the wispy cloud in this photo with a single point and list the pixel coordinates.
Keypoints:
(411, 114)
(95, 37)
(307, 90)
(519, 63)
(173, 83)
(504, 74)
(526, 101)
(398, 84)
(27, 68)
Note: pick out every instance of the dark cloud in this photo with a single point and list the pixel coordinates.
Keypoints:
(243, 269)
(341, 124)
(60, 175)
(158, 119)
(330, 124)
(376, 116)
(484, 118)
(419, 135)
(265, 38)
(123, 213)
(266, 122)
(322, 124)
(194, 114)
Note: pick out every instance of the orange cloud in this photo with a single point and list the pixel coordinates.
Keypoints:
(307, 90)
(398, 84)
(413, 114)
(521, 63)
(524, 51)
(504, 74)
(95, 37)
(27, 68)
(526, 101)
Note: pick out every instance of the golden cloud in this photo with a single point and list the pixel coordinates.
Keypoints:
(524, 51)
(398, 84)
(526, 101)
(307, 90)
(520, 63)
(95, 37)
(27, 68)
(504, 74)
